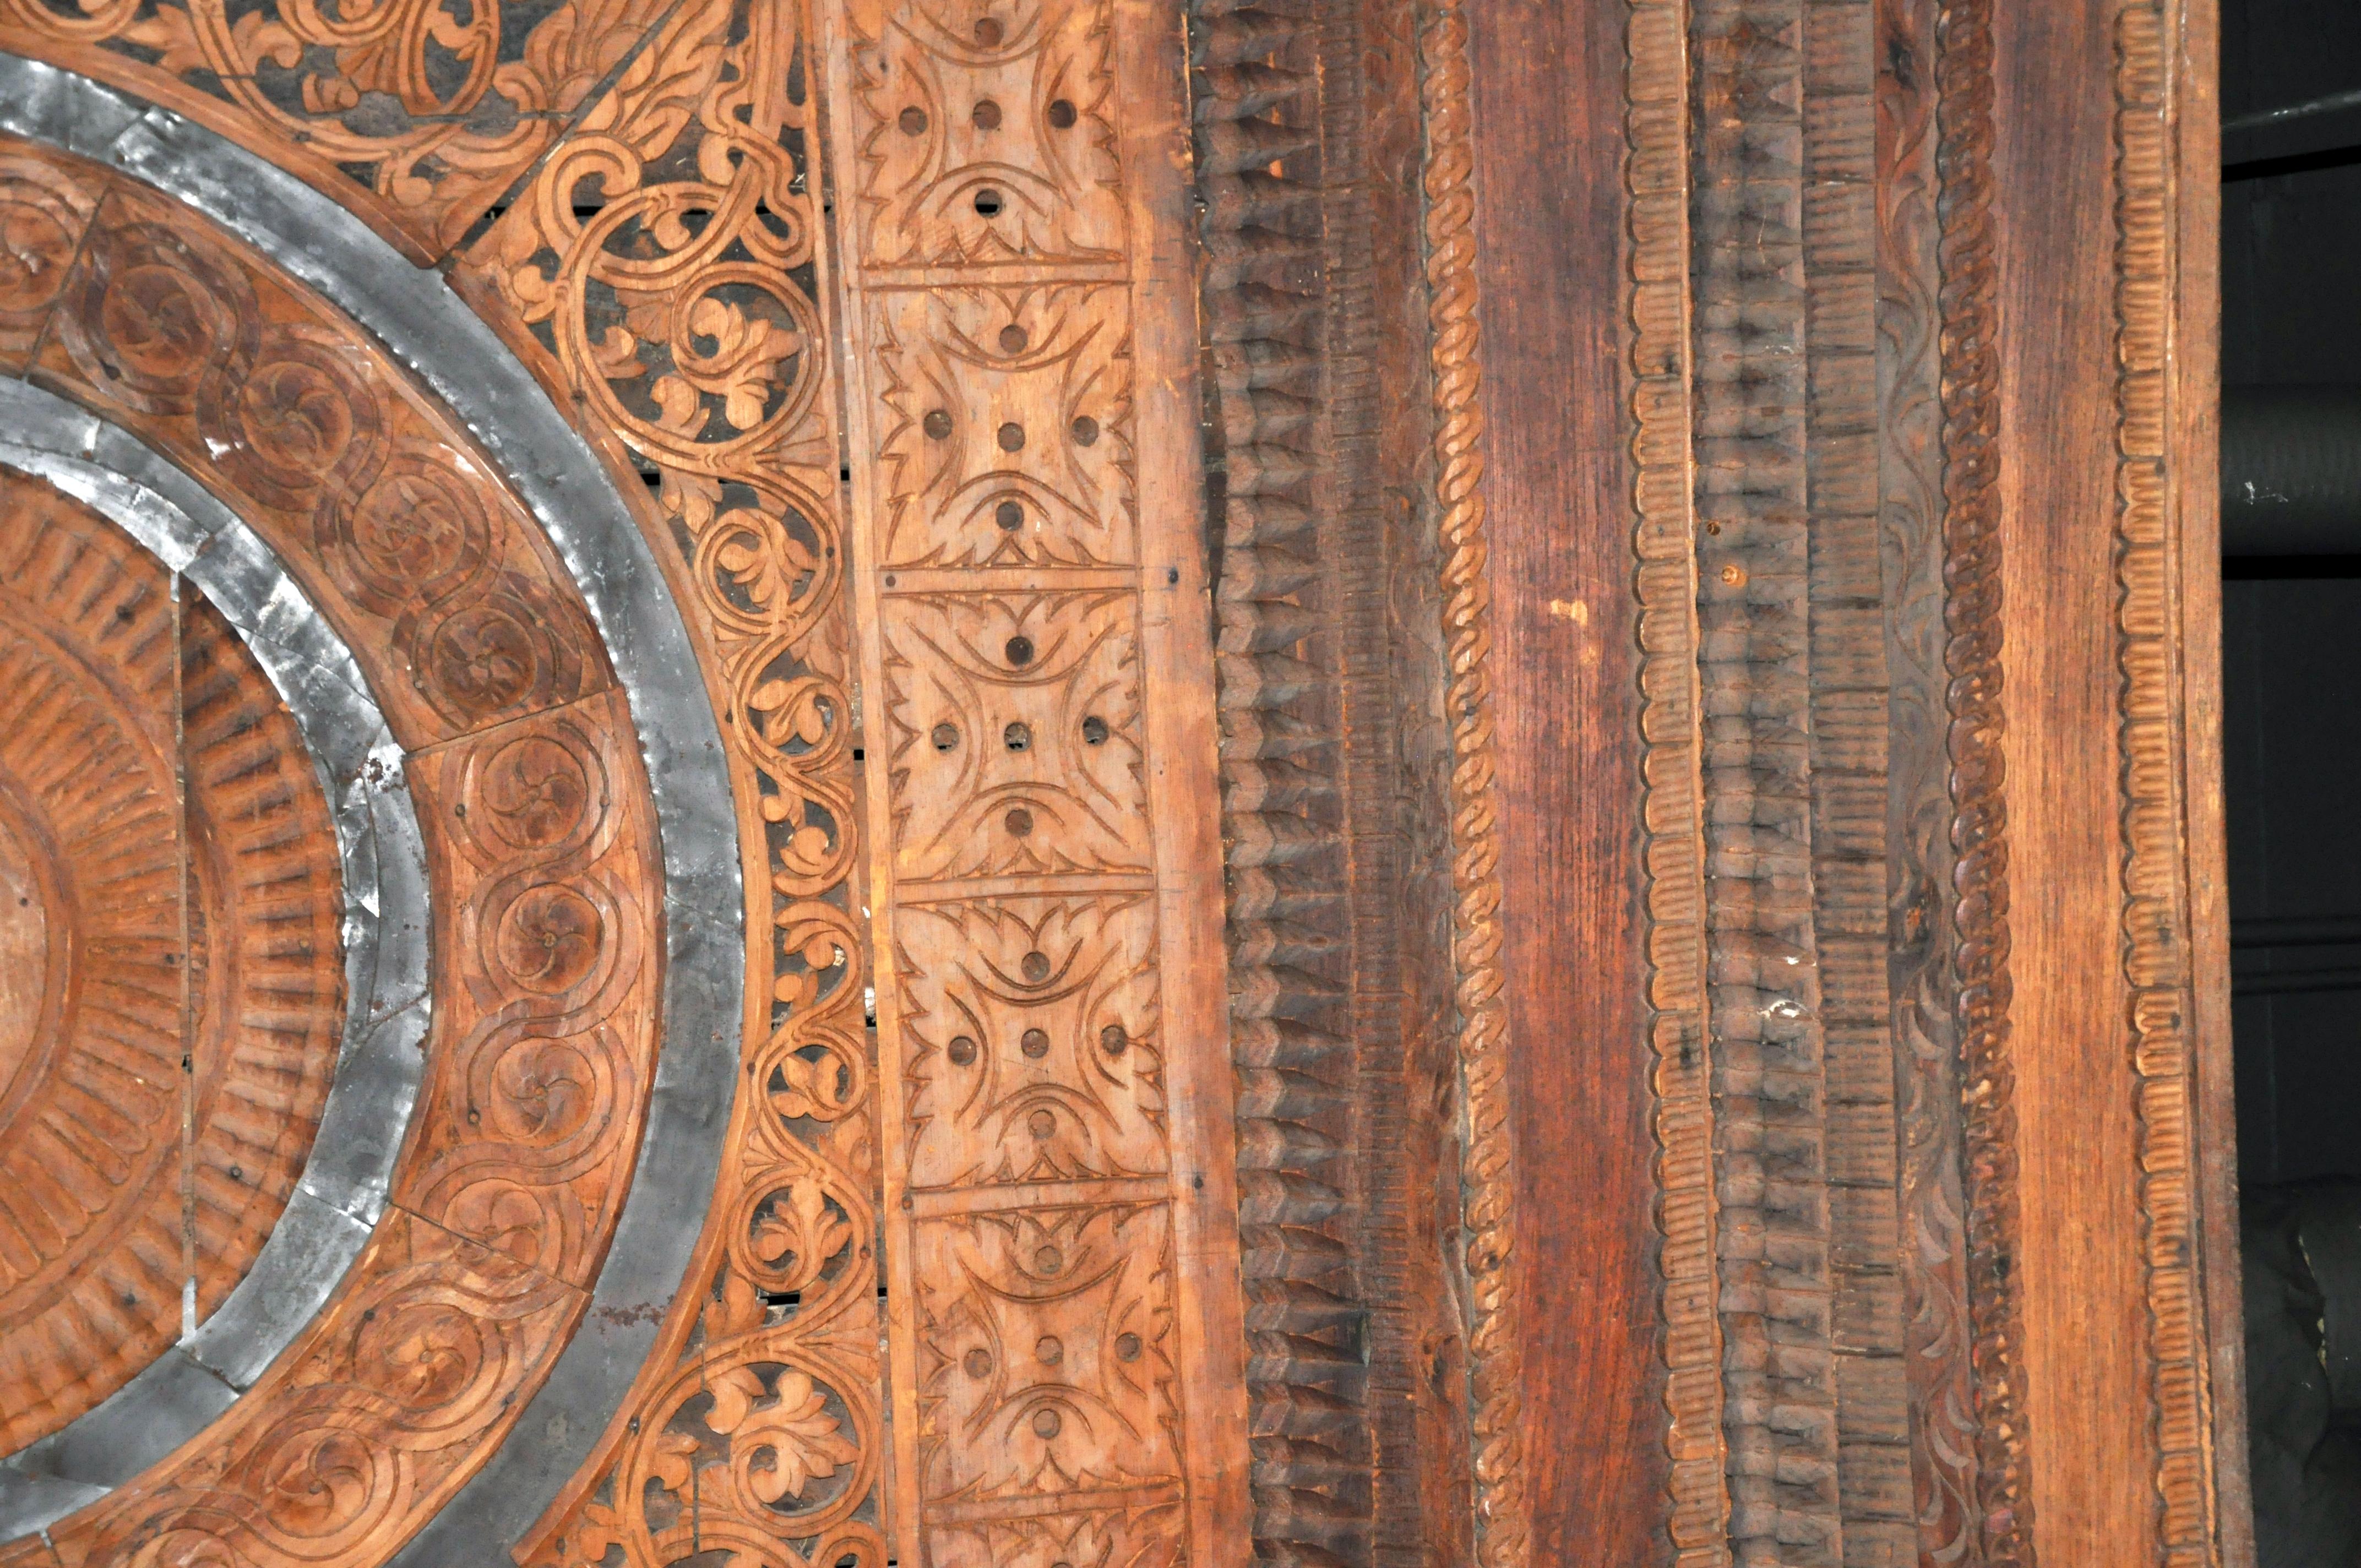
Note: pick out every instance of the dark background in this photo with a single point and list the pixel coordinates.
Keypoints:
(2291, 629)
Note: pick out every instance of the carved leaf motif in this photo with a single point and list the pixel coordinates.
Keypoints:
(806, 1442)
(745, 366)
(173, 37)
(674, 1460)
(617, 353)
(801, 1224)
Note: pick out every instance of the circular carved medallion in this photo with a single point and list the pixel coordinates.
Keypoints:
(170, 959)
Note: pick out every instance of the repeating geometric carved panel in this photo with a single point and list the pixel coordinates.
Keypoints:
(1031, 1043)
(416, 114)
(984, 136)
(1013, 725)
(970, 484)
(370, 493)
(533, 1124)
(1035, 656)
(1048, 1382)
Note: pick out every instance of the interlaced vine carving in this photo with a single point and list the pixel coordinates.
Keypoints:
(417, 114)
(663, 265)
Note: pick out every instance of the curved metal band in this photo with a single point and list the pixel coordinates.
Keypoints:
(346, 1175)
(438, 338)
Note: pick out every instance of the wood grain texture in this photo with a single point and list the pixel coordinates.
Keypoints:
(1546, 93)
(2074, 1258)
(416, 116)
(1062, 1305)
(171, 856)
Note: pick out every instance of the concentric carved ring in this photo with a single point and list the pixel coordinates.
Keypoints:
(145, 931)
(518, 1231)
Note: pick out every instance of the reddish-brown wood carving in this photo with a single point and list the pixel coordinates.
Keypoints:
(541, 833)
(417, 114)
(169, 930)
(695, 355)
(1063, 1308)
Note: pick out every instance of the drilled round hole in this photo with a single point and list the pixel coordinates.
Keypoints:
(1086, 430)
(979, 1363)
(1112, 1039)
(1034, 966)
(937, 424)
(987, 114)
(1049, 1260)
(1019, 822)
(987, 204)
(1009, 515)
(1095, 731)
(1126, 1347)
(1045, 1423)
(962, 1051)
(988, 31)
(913, 120)
(1048, 1351)
(1035, 1043)
(1012, 437)
(944, 735)
(1042, 1126)
(1017, 736)
(1013, 338)
(1019, 652)
(1061, 113)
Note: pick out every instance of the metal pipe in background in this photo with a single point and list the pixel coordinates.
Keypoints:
(2292, 470)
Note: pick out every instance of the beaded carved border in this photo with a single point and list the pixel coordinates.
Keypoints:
(1972, 625)
(2156, 912)
(1656, 183)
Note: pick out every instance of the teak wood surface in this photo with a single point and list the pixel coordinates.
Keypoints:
(1474, 751)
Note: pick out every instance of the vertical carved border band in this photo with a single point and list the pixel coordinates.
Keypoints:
(2157, 940)
(1494, 1353)
(1656, 185)
(1036, 680)
(1971, 579)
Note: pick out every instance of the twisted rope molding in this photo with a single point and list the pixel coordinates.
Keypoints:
(1488, 1196)
(2156, 914)
(1971, 658)
(1656, 311)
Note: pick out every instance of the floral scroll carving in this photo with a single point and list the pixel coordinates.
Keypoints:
(540, 834)
(660, 275)
(418, 114)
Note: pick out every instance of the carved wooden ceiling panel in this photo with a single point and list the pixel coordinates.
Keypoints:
(1081, 784)
(171, 892)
